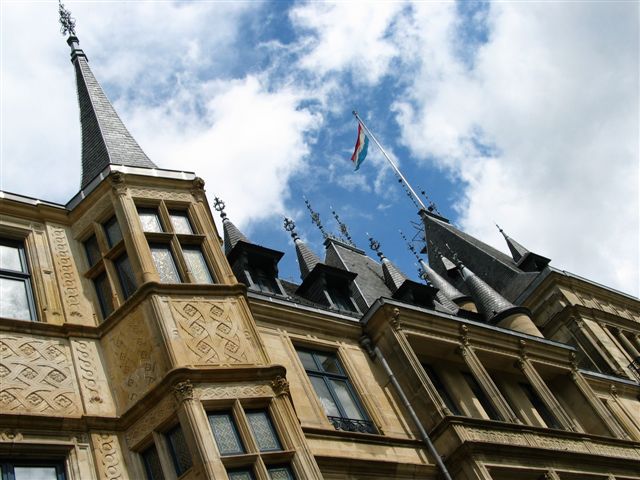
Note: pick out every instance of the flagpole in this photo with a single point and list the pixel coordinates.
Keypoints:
(391, 162)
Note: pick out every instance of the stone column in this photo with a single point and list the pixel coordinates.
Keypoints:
(484, 379)
(551, 475)
(197, 434)
(626, 343)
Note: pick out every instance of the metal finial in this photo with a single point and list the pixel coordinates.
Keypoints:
(375, 246)
(315, 218)
(500, 229)
(67, 23)
(343, 228)
(432, 206)
(410, 246)
(290, 226)
(408, 193)
(219, 205)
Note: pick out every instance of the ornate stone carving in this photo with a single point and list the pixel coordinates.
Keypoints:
(160, 194)
(108, 456)
(67, 274)
(183, 391)
(10, 436)
(212, 332)
(395, 319)
(135, 361)
(87, 369)
(234, 391)
(280, 385)
(118, 183)
(36, 376)
(159, 413)
(464, 335)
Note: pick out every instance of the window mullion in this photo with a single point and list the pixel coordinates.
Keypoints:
(334, 396)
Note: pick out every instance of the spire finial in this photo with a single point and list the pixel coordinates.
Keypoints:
(67, 22)
(219, 205)
(410, 246)
(408, 192)
(343, 228)
(375, 246)
(315, 218)
(500, 229)
(432, 206)
(290, 226)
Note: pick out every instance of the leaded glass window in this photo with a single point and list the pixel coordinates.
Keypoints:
(35, 470)
(92, 249)
(197, 264)
(335, 391)
(103, 290)
(113, 232)
(181, 223)
(16, 296)
(225, 433)
(179, 450)
(127, 277)
(280, 473)
(152, 465)
(165, 264)
(244, 474)
(150, 220)
(263, 431)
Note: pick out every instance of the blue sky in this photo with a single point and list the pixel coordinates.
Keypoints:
(521, 113)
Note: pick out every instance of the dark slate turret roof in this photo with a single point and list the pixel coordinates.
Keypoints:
(447, 293)
(105, 139)
(517, 250)
(232, 235)
(306, 258)
(393, 277)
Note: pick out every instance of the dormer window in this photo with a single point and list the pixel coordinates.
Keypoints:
(340, 298)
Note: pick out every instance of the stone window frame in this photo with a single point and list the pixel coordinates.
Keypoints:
(256, 461)
(175, 241)
(25, 275)
(109, 255)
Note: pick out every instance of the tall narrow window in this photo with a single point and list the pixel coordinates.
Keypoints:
(263, 431)
(441, 389)
(225, 433)
(197, 264)
(152, 465)
(179, 450)
(150, 220)
(103, 290)
(481, 396)
(280, 473)
(16, 296)
(165, 264)
(125, 273)
(180, 222)
(335, 391)
(112, 231)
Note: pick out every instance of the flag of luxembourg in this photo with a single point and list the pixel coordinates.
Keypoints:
(362, 144)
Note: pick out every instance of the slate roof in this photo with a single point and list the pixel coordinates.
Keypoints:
(105, 139)
(307, 260)
(446, 292)
(393, 277)
(232, 235)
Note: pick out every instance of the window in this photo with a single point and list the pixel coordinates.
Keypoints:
(178, 251)
(16, 296)
(152, 466)
(109, 266)
(441, 389)
(335, 391)
(481, 396)
(280, 473)
(179, 451)
(340, 298)
(24, 470)
(241, 436)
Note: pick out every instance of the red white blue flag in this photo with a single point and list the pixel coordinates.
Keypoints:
(362, 144)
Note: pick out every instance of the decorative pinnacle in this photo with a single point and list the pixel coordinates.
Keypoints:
(315, 218)
(290, 226)
(409, 245)
(500, 229)
(343, 228)
(67, 23)
(375, 246)
(219, 205)
(406, 190)
(432, 206)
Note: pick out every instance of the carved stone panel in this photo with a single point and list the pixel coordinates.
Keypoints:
(135, 363)
(36, 376)
(108, 455)
(233, 390)
(160, 194)
(94, 387)
(75, 304)
(213, 332)
(158, 414)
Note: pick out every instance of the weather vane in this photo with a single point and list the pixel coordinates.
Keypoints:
(290, 226)
(315, 218)
(375, 246)
(219, 205)
(67, 23)
(343, 228)
(410, 246)
(432, 206)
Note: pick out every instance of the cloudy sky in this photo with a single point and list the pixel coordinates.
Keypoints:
(520, 113)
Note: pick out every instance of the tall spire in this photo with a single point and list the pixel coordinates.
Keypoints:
(517, 250)
(393, 277)
(105, 139)
(306, 258)
(232, 234)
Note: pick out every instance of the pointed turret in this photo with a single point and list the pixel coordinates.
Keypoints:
(306, 258)
(517, 250)
(447, 293)
(105, 139)
(232, 235)
(393, 277)
(525, 259)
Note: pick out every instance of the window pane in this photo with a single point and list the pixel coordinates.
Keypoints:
(307, 360)
(35, 473)
(10, 258)
(197, 264)
(240, 475)
(150, 220)
(14, 299)
(179, 451)
(112, 229)
(164, 264)
(92, 249)
(181, 224)
(329, 363)
(152, 464)
(346, 400)
(326, 399)
(104, 294)
(125, 273)
(280, 473)
(225, 433)
(263, 431)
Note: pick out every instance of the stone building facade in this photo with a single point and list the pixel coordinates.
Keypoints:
(136, 344)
